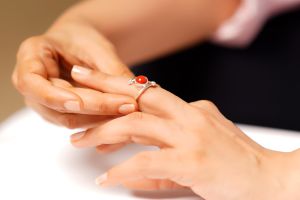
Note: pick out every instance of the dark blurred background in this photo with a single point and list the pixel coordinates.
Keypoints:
(19, 20)
(256, 85)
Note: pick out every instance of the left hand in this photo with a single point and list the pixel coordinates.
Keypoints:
(199, 148)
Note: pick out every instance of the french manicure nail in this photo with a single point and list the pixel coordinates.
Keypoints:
(77, 136)
(127, 108)
(81, 70)
(72, 106)
(101, 179)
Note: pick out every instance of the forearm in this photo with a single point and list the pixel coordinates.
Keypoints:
(145, 29)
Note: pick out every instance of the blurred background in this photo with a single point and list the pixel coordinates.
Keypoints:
(20, 20)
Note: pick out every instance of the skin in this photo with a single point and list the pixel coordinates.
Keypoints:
(107, 36)
(199, 148)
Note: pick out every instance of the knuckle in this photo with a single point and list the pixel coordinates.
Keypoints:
(103, 107)
(207, 104)
(203, 121)
(30, 44)
(27, 43)
(21, 83)
(203, 115)
(30, 41)
(68, 121)
(125, 72)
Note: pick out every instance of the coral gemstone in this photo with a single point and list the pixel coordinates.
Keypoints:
(141, 79)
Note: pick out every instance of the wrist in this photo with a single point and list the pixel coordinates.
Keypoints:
(292, 174)
(283, 175)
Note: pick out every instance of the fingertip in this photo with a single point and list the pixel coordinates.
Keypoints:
(127, 109)
(104, 181)
(67, 101)
(101, 179)
(77, 138)
(80, 72)
(72, 106)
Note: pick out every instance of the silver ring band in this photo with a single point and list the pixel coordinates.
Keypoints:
(142, 86)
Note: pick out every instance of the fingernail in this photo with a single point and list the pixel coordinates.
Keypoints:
(101, 179)
(72, 106)
(81, 70)
(127, 108)
(77, 136)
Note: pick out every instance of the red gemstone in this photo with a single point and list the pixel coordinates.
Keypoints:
(141, 79)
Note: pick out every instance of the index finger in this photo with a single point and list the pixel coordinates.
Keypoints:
(32, 81)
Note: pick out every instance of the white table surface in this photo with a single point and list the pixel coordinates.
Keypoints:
(37, 162)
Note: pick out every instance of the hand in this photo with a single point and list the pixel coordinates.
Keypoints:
(199, 148)
(42, 75)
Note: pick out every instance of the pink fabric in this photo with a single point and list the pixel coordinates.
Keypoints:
(241, 29)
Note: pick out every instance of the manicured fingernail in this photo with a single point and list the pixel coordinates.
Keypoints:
(127, 108)
(77, 136)
(101, 179)
(81, 70)
(72, 106)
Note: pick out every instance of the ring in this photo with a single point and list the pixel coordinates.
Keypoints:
(142, 84)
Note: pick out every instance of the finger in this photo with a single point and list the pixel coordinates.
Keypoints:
(137, 127)
(156, 101)
(98, 54)
(110, 148)
(98, 103)
(71, 121)
(150, 165)
(36, 62)
(32, 83)
(150, 184)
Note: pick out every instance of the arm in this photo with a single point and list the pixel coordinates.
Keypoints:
(242, 28)
(144, 29)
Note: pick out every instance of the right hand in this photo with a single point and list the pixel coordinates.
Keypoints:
(42, 76)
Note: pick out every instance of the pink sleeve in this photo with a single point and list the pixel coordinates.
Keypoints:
(241, 29)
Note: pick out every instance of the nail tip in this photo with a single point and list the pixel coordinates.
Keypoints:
(80, 70)
(72, 106)
(77, 136)
(127, 108)
(101, 179)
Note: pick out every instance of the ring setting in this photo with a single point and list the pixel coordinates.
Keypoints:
(142, 84)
